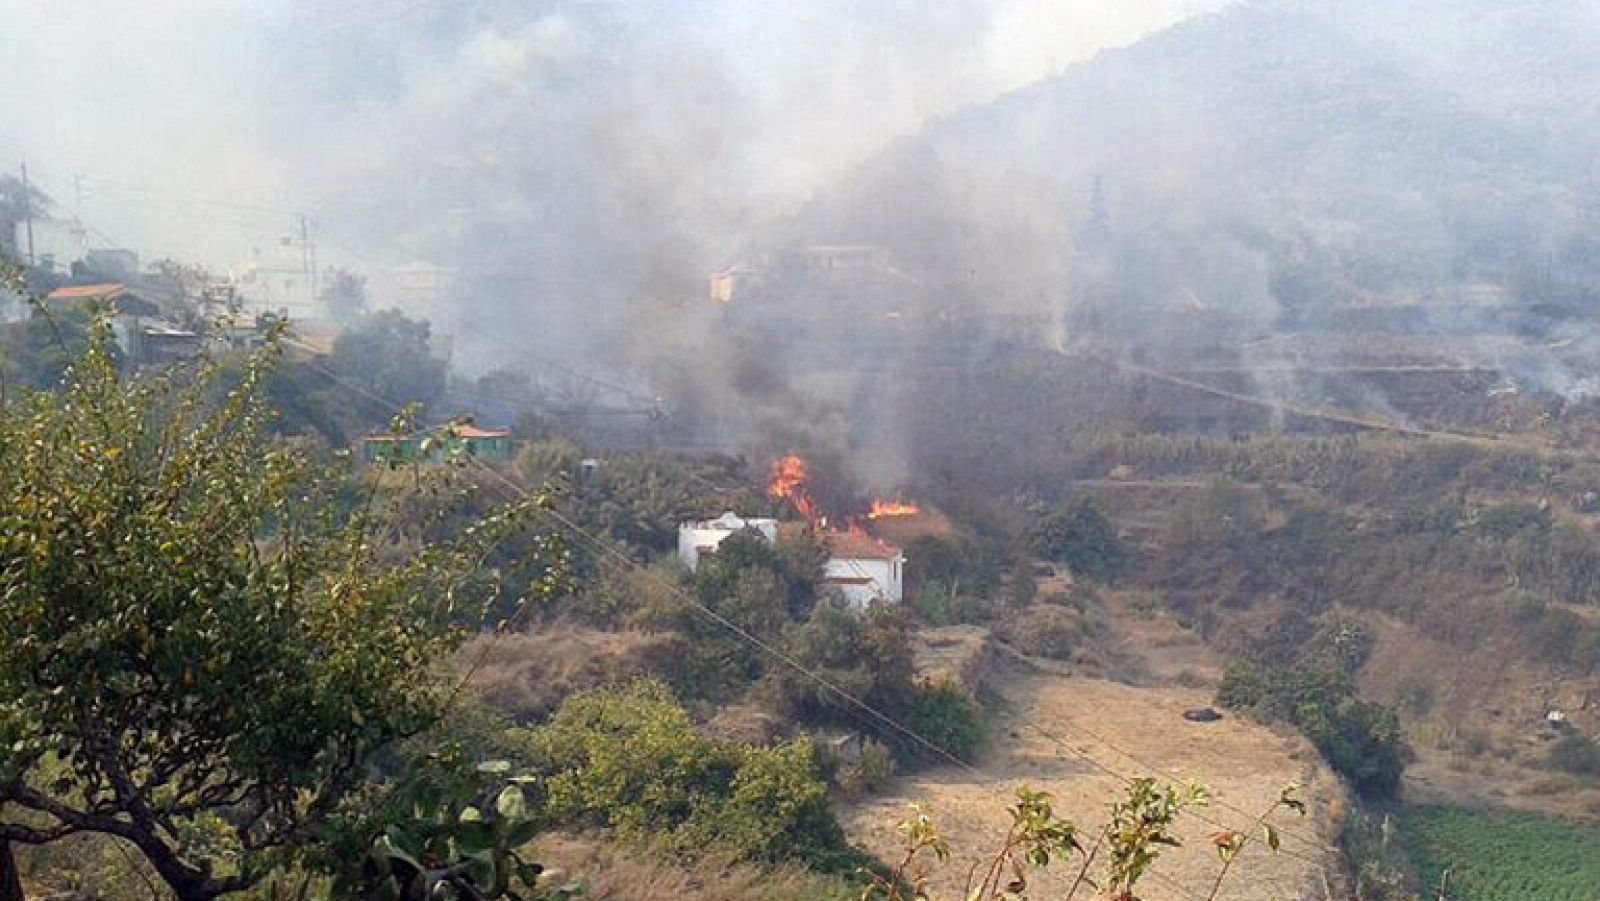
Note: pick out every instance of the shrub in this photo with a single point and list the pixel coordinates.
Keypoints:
(1575, 753)
(868, 656)
(1046, 630)
(943, 604)
(957, 562)
(944, 715)
(1360, 740)
(1081, 537)
(777, 810)
(868, 772)
(1143, 603)
(629, 759)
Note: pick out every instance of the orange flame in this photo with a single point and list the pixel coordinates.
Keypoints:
(886, 509)
(787, 481)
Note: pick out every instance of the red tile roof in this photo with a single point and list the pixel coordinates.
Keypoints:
(472, 431)
(87, 292)
(858, 545)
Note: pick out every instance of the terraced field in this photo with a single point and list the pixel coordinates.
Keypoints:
(1504, 856)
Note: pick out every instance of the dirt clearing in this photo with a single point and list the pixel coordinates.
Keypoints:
(1041, 735)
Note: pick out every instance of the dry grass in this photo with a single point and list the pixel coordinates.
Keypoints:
(525, 676)
(616, 873)
(1244, 763)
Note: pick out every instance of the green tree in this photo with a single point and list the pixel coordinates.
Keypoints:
(1080, 536)
(1362, 741)
(389, 354)
(206, 640)
(629, 759)
(36, 351)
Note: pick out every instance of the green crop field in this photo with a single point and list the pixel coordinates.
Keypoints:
(1504, 856)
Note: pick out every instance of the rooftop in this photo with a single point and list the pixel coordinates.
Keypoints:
(472, 431)
(729, 522)
(858, 545)
(87, 292)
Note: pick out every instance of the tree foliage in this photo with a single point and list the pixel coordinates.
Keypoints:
(629, 759)
(35, 352)
(390, 355)
(208, 633)
(1361, 740)
(1080, 536)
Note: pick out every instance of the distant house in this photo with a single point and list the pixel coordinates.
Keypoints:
(439, 444)
(279, 280)
(141, 332)
(864, 569)
(104, 294)
(161, 344)
(241, 335)
(701, 537)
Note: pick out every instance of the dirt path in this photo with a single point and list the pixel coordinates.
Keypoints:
(1041, 738)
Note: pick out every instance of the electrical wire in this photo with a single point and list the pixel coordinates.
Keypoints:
(607, 550)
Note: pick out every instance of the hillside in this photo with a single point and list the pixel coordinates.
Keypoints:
(1278, 164)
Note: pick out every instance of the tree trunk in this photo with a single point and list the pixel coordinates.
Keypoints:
(10, 876)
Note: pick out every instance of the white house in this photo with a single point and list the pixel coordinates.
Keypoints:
(864, 569)
(705, 536)
(279, 280)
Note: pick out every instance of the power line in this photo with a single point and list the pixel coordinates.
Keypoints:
(599, 545)
(693, 602)
(1061, 743)
(607, 550)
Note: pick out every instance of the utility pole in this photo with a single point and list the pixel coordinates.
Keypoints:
(78, 231)
(27, 209)
(308, 259)
(316, 276)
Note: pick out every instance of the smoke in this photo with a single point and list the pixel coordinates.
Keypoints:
(579, 166)
(554, 139)
(582, 165)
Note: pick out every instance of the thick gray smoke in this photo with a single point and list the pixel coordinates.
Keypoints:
(581, 166)
(569, 160)
(1277, 166)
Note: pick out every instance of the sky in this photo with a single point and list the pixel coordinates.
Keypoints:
(410, 130)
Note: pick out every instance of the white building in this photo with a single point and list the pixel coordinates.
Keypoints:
(279, 280)
(864, 569)
(698, 538)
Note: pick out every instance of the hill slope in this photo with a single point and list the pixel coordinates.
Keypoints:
(1265, 166)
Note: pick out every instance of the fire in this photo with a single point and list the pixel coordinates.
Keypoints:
(787, 481)
(885, 509)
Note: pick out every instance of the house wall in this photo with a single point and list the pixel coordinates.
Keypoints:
(376, 449)
(694, 536)
(488, 448)
(886, 579)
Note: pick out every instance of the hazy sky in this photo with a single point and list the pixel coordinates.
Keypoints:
(393, 121)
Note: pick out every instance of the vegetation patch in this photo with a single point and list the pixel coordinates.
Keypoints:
(1503, 856)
